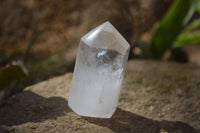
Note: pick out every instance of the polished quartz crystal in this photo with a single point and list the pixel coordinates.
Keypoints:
(99, 71)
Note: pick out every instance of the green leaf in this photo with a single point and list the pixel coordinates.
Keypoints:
(197, 5)
(188, 38)
(11, 73)
(171, 25)
(192, 26)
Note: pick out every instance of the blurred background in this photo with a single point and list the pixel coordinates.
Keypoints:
(39, 39)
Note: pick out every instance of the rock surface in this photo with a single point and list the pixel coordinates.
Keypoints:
(157, 97)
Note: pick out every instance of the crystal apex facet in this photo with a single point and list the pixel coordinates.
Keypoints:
(106, 36)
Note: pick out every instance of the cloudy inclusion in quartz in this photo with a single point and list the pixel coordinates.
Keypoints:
(99, 72)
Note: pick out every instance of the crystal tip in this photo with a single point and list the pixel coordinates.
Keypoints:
(106, 36)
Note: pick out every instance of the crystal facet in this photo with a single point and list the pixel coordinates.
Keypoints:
(99, 71)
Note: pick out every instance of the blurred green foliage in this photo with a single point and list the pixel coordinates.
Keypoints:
(190, 35)
(9, 74)
(170, 31)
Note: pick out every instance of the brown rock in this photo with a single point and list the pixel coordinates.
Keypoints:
(156, 97)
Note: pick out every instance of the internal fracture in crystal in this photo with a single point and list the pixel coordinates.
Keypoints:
(99, 71)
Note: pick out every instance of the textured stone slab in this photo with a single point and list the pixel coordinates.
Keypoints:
(156, 97)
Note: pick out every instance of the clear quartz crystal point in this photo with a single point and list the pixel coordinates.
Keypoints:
(99, 71)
